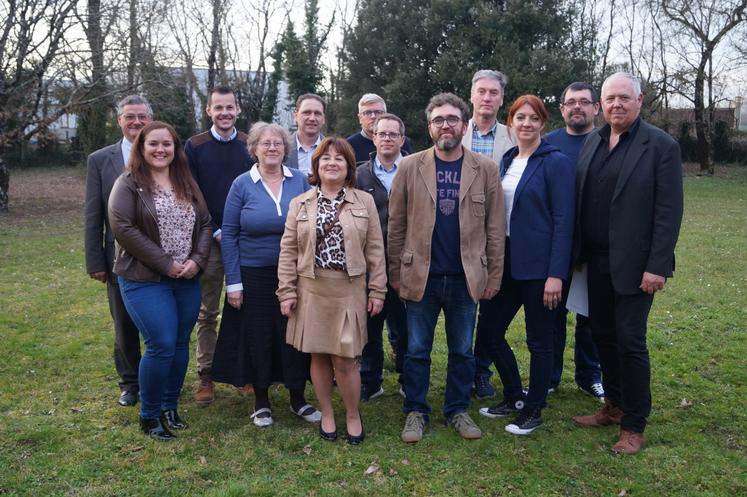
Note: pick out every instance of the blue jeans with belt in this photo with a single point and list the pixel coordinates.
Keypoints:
(450, 294)
(165, 313)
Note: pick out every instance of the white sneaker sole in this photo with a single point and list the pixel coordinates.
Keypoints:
(512, 428)
(485, 411)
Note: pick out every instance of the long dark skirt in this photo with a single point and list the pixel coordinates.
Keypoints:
(251, 344)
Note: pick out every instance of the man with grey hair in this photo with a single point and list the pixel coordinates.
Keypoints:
(104, 167)
(486, 136)
(447, 229)
(629, 193)
(370, 107)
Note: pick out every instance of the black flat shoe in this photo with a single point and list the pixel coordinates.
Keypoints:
(357, 439)
(127, 398)
(329, 436)
(172, 419)
(156, 430)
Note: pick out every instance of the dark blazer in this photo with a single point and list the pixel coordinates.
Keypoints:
(104, 167)
(542, 215)
(292, 159)
(646, 210)
(367, 181)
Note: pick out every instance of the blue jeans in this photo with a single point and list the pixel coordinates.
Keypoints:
(449, 293)
(372, 357)
(165, 313)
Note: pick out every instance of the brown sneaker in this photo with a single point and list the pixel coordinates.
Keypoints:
(608, 415)
(630, 443)
(205, 393)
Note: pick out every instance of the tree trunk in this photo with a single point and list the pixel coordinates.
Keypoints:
(704, 152)
(4, 186)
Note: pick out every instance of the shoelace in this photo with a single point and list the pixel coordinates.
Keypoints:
(598, 389)
(460, 420)
(414, 423)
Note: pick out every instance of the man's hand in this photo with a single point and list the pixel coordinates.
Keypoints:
(553, 291)
(489, 293)
(218, 237)
(650, 283)
(235, 299)
(375, 306)
(99, 276)
(287, 307)
(395, 286)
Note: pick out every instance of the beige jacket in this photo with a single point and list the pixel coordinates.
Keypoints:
(361, 230)
(503, 140)
(412, 217)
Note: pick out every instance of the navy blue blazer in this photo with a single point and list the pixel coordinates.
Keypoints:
(543, 214)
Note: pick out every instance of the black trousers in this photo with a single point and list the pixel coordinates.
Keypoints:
(126, 340)
(618, 324)
(251, 345)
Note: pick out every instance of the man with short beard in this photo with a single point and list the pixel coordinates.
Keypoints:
(447, 229)
(216, 158)
(578, 105)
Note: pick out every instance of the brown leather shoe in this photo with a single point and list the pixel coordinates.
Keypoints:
(608, 415)
(246, 390)
(205, 393)
(630, 443)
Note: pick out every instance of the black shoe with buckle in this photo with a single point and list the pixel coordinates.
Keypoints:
(155, 429)
(171, 418)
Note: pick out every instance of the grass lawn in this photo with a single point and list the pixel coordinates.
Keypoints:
(62, 434)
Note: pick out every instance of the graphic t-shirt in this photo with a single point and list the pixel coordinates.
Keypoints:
(446, 256)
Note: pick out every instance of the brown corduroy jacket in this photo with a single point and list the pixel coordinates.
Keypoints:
(412, 217)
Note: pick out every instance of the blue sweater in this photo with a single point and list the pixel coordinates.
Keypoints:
(252, 226)
(214, 166)
(570, 145)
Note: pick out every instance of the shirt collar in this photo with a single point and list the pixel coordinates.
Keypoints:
(365, 135)
(255, 176)
(378, 164)
(606, 130)
(475, 129)
(214, 132)
(317, 142)
(339, 197)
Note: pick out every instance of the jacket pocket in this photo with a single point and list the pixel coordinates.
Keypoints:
(407, 258)
(478, 204)
(360, 218)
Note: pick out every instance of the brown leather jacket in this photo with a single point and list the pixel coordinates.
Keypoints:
(132, 215)
(412, 217)
(361, 230)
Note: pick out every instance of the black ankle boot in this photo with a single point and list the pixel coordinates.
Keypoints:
(172, 419)
(155, 429)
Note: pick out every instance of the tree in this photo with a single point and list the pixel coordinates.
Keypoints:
(707, 23)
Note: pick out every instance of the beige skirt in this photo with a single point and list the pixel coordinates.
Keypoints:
(330, 315)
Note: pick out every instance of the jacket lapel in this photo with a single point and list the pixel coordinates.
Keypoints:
(582, 166)
(468, 174)
(532, 166)
(632, 157)
(117, 161)
(427, 170)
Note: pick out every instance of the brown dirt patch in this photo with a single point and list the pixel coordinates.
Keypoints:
(45, 196)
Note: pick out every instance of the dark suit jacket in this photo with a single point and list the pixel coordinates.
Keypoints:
(104, 167)
(292, 159)
(646, 210)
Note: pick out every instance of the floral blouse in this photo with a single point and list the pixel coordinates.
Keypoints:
(176, 221)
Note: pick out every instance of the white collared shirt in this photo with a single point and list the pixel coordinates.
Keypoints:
(126, 147)
(216, 135)
(255, 176)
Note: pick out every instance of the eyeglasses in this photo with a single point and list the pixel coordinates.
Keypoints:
(572, 103)
(451, 121)
(139, 117)
(388, 135)
(371, 113)
(272, 144)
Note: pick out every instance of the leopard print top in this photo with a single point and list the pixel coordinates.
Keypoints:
(176, 220)
(330, 252)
